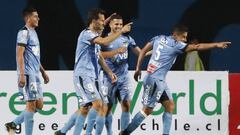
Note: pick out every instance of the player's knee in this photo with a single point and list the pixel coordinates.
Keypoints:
(83, 110)
(147, 110)
(109, 108)
(170, 107)
(31, 106)
(39, 105)
(97, 105)
(125, 106)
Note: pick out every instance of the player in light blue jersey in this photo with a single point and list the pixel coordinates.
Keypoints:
(28, 70)
(165, 49)
(116, 55)
(88, 60)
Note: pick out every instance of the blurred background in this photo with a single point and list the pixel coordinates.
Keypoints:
(61, 21)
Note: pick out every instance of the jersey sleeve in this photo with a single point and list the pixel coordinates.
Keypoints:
(153, 39)
(89, 36)
(180, 46)
(22, 38)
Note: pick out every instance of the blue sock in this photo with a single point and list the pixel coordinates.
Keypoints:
(70, 123)
(91, 120)
(108, 123)
(137, 120)
(20, 118)
(79, 123)
(99, 124)
(125, 118)
(28, 120)
(167, 121)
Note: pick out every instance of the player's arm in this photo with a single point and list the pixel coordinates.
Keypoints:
(105, 41)
(108, 19)
(107, 69)
(20, 61)
(112, 53)
(206, 46)
(137, 50)
(44, 74)
(141, 56)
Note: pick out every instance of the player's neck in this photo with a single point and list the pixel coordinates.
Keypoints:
(29, 26)
(92, 28)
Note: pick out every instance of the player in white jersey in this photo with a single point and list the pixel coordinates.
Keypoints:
(28, 69)
(165, 49)
(88, 60)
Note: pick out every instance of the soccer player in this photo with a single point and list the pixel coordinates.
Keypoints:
(116, 55)
(28, 70)
(86, 72)
(165, 50)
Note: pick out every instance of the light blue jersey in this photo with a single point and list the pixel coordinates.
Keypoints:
(119, 63)
(165, 51)
(87, 55)
(28, 38)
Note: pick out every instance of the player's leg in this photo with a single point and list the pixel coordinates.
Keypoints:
(28, 116)
(125, 95)
(108, 119)
(167, 102)
(125, 117)
(80, 119)
(149, 100)
(87, 93)
(20, 118)
(109, 90)
(33, 93)
(148, 105)
(137, 120)
(97, 108)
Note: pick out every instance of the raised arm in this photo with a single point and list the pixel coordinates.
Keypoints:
(141, 56)
(206, 46)
(137, 50)
(107, 40)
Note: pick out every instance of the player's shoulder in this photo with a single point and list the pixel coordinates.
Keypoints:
(88, 32)
(23, 30)
(159, 38)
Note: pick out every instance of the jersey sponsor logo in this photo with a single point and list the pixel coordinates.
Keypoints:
(36, 50)
(152, 66)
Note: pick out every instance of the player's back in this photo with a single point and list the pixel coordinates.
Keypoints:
(86, 57)
(165, 52)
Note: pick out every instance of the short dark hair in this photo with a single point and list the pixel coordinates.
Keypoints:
(116, 16)
(28, 11)
(179, 28)
(93, 14)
